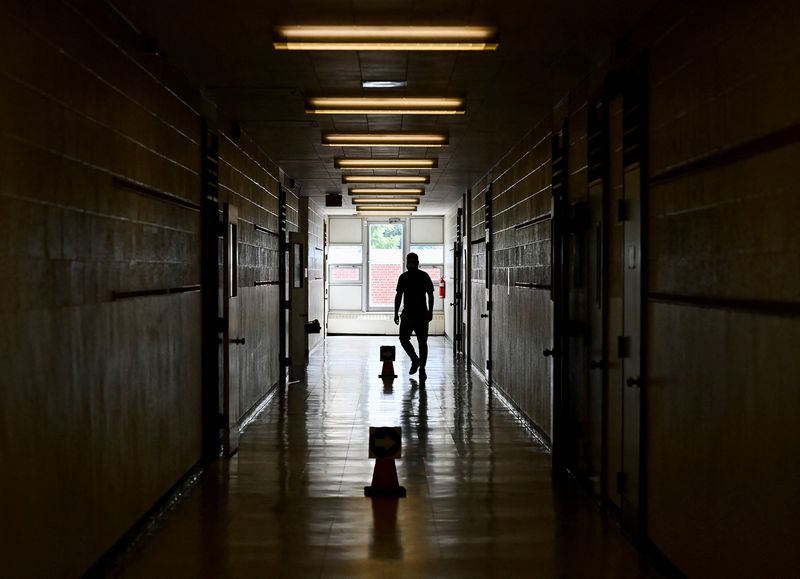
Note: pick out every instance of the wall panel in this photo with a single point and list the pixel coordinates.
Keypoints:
(100, 404)
(724, 208)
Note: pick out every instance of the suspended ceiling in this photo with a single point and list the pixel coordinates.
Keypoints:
(226, 49)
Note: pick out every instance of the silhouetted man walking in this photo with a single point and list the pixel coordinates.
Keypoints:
(412, 289)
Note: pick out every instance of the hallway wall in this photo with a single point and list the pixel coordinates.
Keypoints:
(249, 180)
(100, 405)
(316, 270)
(724, 289)
(723, 256)
(522, 314)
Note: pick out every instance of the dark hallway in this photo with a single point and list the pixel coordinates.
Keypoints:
(205, 209)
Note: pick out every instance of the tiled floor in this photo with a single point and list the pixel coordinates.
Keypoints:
(481, 501)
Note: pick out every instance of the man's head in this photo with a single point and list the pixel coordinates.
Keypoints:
(412, 261)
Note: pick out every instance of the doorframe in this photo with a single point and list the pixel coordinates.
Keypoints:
(558, 285)
(210, 233)
(488, 232)
(283, 287)
(230, 291)
(635, 109)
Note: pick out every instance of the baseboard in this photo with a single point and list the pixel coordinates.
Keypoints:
(257, 407)
(119, 552)
(128, 543)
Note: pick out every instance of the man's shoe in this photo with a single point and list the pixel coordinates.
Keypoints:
(422, 374)
(414, 366)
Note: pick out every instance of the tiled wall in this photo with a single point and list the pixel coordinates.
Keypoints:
(723, 257)
(100, 398)
(521, 253)
(99, 197)
(521, 192)
(723, 396)
(249, 181)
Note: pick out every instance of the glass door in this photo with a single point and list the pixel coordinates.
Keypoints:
(385, 263)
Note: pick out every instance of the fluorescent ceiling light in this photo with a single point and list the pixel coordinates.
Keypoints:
(385, 38)
(379, 200)
(341, 163)
(384, 213)
(386, 207)
(386, 106)
(386, 179)
(383, 83)
(385, 139)
(380, 191)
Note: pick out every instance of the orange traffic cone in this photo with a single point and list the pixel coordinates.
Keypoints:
(384, 480)
(388, 370)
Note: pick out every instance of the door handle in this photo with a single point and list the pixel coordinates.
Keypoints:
(237, 341)
(595, 364)
(631, 381)
(484, 315)
(452, 304)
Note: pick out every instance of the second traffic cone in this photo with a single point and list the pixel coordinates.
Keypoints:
(388, 370)
(384, 480)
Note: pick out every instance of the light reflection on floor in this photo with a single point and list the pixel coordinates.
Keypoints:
(481, 501)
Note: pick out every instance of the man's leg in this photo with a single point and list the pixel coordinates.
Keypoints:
(405, 341)
(421, 330)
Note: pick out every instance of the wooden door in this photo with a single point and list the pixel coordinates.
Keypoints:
(614, 304)
(458, 283)
(631, 341)
(487, 315)
(565, 426)
(231, 340)
(596, 240)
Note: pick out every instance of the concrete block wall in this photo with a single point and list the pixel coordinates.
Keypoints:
(99, 198)
(723, 256)
(722, 428)
(100, 397)
(249, 181)
(521, 192)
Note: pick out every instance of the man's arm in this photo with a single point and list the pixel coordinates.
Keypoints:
(398, 297)
(430, 305)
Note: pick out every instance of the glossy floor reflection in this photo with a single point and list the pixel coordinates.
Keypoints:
(481, 501)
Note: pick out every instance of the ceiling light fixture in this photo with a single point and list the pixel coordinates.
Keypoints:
(342, 163)
(386, 179)
(378, 200)
(385, 139)
(385, 106)
(385, 38)
(383, 84)
(384, 213)
(379, 191)
(386, 207)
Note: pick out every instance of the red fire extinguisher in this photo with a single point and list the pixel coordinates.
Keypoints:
(441, 287)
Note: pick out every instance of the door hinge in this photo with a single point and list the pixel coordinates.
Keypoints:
(458, 337)
(488, 306)
(622, 210)
(623, 346)
(287, 305)
(287, 362)
(488, 364)
(622, 483)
